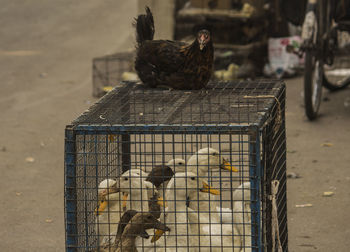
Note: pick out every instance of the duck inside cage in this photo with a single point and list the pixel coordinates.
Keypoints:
(153, 170)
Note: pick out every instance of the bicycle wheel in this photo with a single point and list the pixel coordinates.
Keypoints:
(337, 75)
(313, 78)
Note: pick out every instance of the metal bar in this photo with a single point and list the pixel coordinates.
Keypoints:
(159, 129)
(70, 193)
(177, 107)
(126, 149)
(85, 162)
(126, 163)
(255, 181)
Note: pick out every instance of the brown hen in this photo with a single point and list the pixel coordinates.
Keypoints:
(172, 63)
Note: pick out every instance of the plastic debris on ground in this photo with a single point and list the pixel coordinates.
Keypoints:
(293, 175)
(303, 205)
(327, 194)
(281, 62)
(43, 75)
(30, 160)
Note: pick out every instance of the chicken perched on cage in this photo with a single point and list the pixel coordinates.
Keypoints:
(172, 63)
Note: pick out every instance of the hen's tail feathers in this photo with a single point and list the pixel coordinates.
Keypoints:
(144, 27)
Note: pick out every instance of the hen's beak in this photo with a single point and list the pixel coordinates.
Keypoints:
(161, 202)
(202, 42)
(227, 166)
(207, 188)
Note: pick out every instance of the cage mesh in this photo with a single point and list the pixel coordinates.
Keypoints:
(219, 103)
(243, 121)
(108, 70)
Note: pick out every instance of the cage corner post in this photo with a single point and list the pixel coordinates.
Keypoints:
(126, 148)
(70, 193)
(255, 181)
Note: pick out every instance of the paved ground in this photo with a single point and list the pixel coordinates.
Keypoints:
(46, 49)
(324, 226)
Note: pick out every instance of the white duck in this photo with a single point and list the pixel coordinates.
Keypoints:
(201, 163)
(138, 191)
(108, 211)
(242, 214)
(135, 193)
(177, 214)
(207, 159)
(206, 206)
(177, 165)
(139, 172)
(214, 235)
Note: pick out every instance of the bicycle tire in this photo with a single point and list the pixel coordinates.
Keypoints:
(313, 78)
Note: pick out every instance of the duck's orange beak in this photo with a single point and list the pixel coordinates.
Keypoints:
(102, 204)
(125, 199)
(227, 166)
(161, 202)
(207, 188)
(157, 234)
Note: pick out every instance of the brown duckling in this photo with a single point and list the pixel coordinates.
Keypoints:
(113, 241)
(137, 227)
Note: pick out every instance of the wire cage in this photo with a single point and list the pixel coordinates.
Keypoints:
(221, 152)
(107, 71)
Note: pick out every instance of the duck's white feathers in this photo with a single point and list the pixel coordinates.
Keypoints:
(242, 214)
(107, 222)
